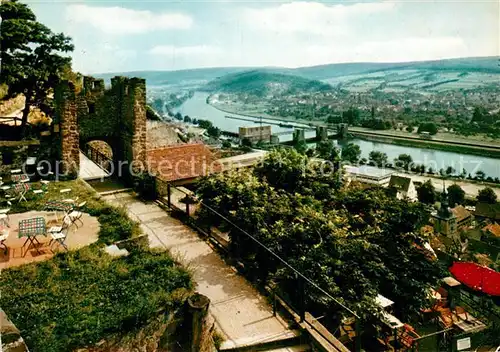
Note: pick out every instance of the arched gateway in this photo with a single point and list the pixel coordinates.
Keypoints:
(116, 116)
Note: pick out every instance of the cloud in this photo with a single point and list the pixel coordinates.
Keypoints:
(120, 20)
(400, 50)
(170, 50)
(103, 57)
(313, 17)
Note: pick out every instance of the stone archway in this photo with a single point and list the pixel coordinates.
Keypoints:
(117, 116)
(101, 153)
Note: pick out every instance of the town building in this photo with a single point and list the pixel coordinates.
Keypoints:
(404, 187)
(256, 133)
(369, 174)
(463, 217)
(445, 221)
(487, 212)
(491, 234)
(182, 164)
(450, 222)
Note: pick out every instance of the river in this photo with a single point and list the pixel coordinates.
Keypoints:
(196, 107)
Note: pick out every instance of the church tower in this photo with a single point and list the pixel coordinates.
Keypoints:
(445, 222)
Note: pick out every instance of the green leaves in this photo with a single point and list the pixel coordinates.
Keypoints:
(31, 55)
(426, 193)
(353, 243)
(79, 298)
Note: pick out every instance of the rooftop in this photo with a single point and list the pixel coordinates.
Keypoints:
(367, 171)
(180, 162)
(486, 210)
(494, 229)
(460, 213)
(401, 183)
(383, 301)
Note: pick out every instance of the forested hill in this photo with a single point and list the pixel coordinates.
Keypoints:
(474, 64)
(260, 83)
(322, 72)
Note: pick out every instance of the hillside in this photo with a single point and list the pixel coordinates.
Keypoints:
(264, 82)
(475, 64)
(176, 77)
(321, 72)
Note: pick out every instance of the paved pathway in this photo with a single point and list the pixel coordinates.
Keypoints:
(90, 170)
(241, 313)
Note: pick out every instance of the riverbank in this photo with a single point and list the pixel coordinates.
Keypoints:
(458, 145)
(491, 152)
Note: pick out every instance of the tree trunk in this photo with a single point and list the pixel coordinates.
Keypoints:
(26, 111)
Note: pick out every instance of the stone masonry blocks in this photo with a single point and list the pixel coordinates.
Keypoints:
(116, 116)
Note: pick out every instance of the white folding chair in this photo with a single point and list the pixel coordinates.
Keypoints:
(23, 191)
(4, 234)
(58, 234)
(76, 214)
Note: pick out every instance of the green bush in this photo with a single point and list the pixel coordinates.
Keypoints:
(78, 298)
(116, 225)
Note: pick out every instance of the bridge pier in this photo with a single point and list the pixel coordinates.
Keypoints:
(299, 136)
(321, 133)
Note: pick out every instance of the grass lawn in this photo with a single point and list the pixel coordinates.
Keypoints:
(78, 298)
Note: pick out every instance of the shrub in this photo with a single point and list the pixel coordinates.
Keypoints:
(116, 226)
(78, 298)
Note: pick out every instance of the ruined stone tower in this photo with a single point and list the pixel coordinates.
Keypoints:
(116, 116)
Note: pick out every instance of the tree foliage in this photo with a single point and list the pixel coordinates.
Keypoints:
(151, 114)
(378, 158)
(403, 161)
(351, 153)
(326, 150)
(456, 195)
(428, 127)
(322, 231)
(487, 195)
(31, 58)
(426, 193)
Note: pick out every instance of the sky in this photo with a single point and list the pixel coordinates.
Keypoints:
(134, 35)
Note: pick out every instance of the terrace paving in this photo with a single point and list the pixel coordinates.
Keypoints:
(241, 313)
(90, 170)
(77, 238)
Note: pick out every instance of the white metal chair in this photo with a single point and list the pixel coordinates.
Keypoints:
(4, 215)
(4, 234)
(58, 234)
(76, 214)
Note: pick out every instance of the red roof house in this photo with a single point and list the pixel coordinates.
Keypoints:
(184, 162)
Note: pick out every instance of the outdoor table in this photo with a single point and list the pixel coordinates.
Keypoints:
(57, 206)
(31, 228)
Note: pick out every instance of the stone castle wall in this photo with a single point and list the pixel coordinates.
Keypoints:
(116, 116)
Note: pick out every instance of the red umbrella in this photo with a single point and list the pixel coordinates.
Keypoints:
(477, 277)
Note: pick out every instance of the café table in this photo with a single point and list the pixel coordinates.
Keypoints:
(31, 228)
(58, 206)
